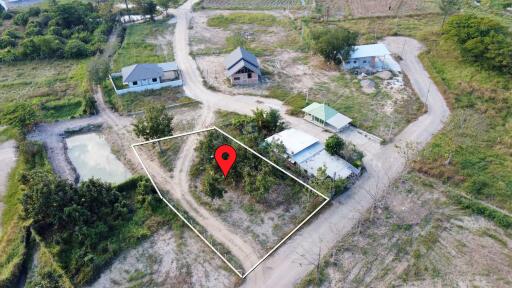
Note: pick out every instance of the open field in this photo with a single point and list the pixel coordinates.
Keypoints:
(56, 88)
(291, 75)
(414, 236)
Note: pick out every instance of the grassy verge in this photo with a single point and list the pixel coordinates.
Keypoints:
(137, 49)
(225, 21)
(8, 133)
(13, 248)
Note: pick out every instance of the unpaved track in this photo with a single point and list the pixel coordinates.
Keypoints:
(293, 260)
(8, 160)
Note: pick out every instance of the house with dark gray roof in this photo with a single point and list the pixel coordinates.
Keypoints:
(140, 77)
(242, 67)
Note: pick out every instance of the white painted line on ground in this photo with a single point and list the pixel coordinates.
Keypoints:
(195, 230)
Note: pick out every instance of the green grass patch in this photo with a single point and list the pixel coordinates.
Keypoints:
(8, 133)
(137, 49)
(260, 19)
(137, 101)
(296, 101)
(55, 88)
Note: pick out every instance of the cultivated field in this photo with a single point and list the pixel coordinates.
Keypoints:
(251, 4)
(373, 8)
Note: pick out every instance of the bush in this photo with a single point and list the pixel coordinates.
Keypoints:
(76, 49)
(21, 19)
(482, 40)
(6, 42)
(334, 145)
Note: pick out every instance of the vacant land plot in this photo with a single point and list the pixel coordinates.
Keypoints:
(415, 237)
(168, 259)
(251, 4)
(264, 209)
(55, 88)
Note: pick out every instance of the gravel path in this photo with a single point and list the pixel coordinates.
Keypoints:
(8, 160)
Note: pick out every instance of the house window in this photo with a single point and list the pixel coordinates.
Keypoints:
(355, 62)
(249, 75)
(154, 79)
(236, 78)
(135, 83)
(364, 61)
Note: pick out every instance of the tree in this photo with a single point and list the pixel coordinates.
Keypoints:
(20, 115)
(156, 123)
(147, 7)
(165, 4)
(448, 7)
(334, 145)
(333, 43)
(98, 70)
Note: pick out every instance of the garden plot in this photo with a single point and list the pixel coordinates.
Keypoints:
(375, 8)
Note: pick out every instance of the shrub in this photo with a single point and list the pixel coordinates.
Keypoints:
(334, 145)
(6, 42)
(76, 49)
(21, 19)
(482, 40)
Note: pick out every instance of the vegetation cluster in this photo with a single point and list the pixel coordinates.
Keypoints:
(63, 30)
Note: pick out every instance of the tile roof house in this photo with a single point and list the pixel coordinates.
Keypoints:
(325, 116)
(242, 67)
(140, 77)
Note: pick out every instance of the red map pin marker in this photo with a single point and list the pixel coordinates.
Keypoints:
(225, 156)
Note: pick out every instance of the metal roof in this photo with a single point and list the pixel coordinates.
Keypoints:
(293, 140)
(327, 114)
(371, 50)
(339, 121)
(335, 166)
(139, 72)
(168, 66)
(241, 55)
(241, 64)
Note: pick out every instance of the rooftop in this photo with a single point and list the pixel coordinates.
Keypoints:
(241, 58)
(327, 114)
(370, 50)
(139, 72)
(293, 140)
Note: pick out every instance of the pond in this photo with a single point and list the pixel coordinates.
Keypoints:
(92, 157)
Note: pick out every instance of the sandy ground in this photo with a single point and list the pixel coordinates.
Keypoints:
(167, 261)
(8, 160)
(414, 237)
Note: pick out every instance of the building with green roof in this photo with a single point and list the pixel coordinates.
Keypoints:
(325, 116)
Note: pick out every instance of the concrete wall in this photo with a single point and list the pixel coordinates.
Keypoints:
(155, 86)
(243, 79)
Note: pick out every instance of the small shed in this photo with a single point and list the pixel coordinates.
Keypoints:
(242, 67)
(368, 58)
(325, 116)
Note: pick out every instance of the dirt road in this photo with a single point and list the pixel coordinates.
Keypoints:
(8, 160)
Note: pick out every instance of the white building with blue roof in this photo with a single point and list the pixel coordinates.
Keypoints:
(309, 153)
(371, 58)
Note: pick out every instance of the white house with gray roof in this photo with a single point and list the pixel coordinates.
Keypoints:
(147, 76)
(371, 58)
(242, 67)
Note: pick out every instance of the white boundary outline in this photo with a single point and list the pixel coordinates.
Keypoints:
(194, 229)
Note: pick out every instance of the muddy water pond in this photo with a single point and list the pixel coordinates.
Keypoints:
(92, 157)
